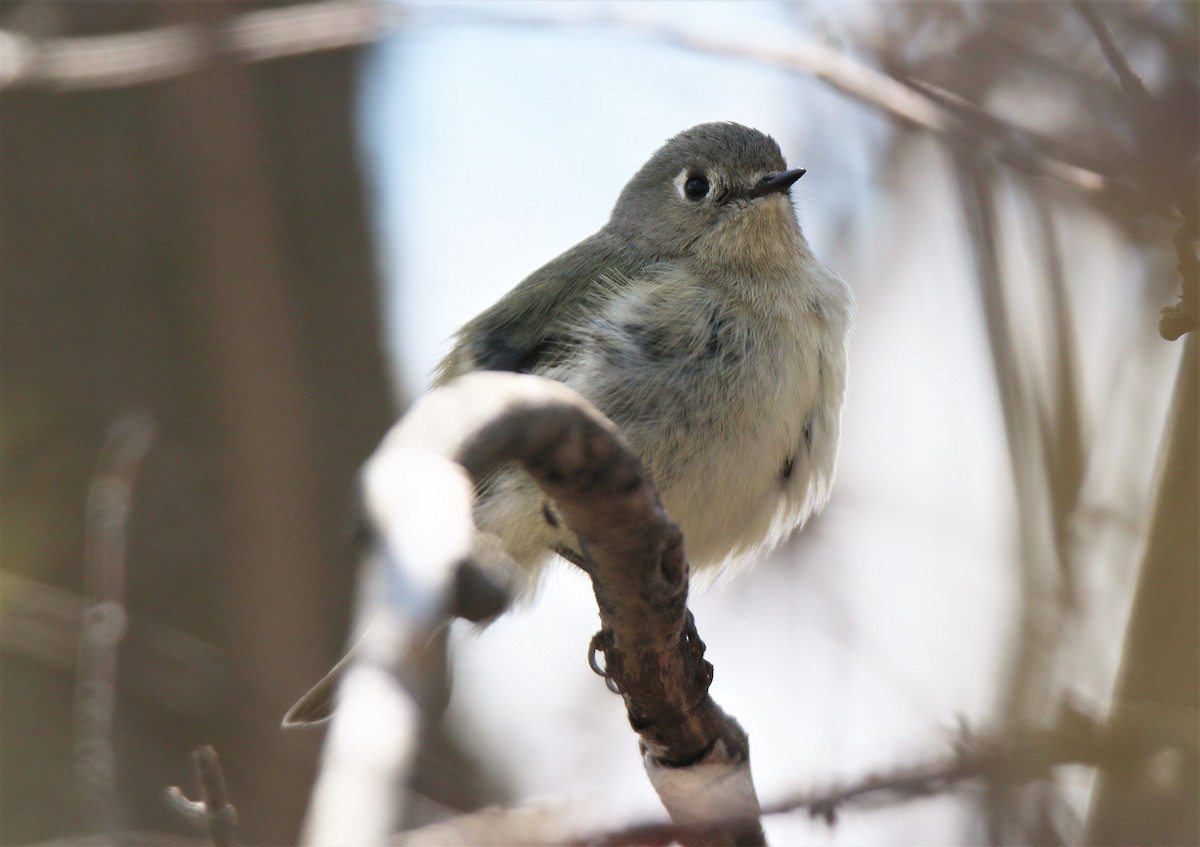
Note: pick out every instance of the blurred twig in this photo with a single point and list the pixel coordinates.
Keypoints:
(103, 625)
(1059, 410)
(1009, 755)
(1040, 394)
(1184, 316)
(170, 51)
(891, 95)
(1130, 82)
(1041, 406)
(1013, 755)
(213, 812)
(130, 58)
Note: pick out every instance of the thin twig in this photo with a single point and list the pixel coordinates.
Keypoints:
(1131, 83)
(213, 812)
(130, 58)
(1024, 150)
(890, 95)
(154, 54)
(1010, 756)
(1059, 411)
(1184, 316)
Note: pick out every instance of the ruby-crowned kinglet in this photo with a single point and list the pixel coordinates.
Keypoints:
(700, 322)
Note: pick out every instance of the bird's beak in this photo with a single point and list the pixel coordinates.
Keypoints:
(776, 183)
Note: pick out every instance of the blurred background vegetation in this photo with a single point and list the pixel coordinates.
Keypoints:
(193, 365)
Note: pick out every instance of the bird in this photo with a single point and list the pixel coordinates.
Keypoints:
(699, 321)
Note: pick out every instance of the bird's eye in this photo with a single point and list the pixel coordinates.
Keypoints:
(696, 187)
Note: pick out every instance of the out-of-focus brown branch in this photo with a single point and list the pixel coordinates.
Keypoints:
(1160, 665)
(1028, 152)
(128, 58)
(1012, 755)
(894, 96)
(104, 619)
(1045, 467)
(1149, 161)
(1130, 81)
(104, 61)
(1184, 316)
(213, 812)
(166, 52)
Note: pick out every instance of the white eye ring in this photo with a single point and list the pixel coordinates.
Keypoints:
(679, 180)
(683, 178)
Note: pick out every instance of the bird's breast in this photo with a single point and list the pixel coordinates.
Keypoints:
(715, 393)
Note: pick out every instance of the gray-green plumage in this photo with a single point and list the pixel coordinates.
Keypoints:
(699, 321)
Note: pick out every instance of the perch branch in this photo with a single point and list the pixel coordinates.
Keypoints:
(697, 757)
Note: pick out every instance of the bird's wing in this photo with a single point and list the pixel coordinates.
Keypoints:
(525, 329)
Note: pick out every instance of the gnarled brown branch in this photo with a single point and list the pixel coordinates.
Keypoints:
(633, 553)
(696, 756)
